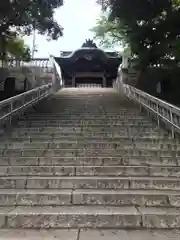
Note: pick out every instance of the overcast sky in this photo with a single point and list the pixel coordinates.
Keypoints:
(76, 17)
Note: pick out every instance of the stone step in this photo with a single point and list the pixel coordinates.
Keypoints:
(126, 234)
(87, 123)
(104, 170)
(87, 128)
(82, 145)
(91, 117)
(90, 217)
(90, 161)
(106, 197)
(57, 139)
(41, 234)
(81, 119)
(143, 198)
(149, 161)
(35, 197)
(68, 152)
(90, 182)
(81, 128)
(114, 132)
(54, 132)
(77, 114)
(75, 110)
(73, 118)
(87, 234)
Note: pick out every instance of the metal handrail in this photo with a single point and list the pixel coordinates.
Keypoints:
(58, 80)
(152, 97)
(163, 110)
(14, 105)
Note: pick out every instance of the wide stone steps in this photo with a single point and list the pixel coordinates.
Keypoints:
(110, 132)
(89, 216)
(85, 160)
(125, 139)
(51, 143)
(91, 119)
(86, 234)
(90, 161)
(80, 119)
(90, 182)
(107, 170)
(115, 134)
(88, 128)
(131, 114)
(102, 124)
(76, 152)
(88, 197)
(89, 145)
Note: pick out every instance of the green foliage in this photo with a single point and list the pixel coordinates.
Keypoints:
(13, 46)
(151, 28)
(17, 49)
(108, 33)
(25, 15)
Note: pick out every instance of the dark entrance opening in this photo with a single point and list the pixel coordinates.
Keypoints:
(109, 82)
(89, 81)
(10, 87)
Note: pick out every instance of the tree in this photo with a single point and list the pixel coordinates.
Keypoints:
(26, 15)
(150, 27)
(23, 17)
(16, 48)
(108, 33)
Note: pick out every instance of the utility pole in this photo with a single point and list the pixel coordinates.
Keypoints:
(34, 41)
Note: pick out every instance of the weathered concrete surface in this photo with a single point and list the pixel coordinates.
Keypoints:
(101, 182)
(111, 171)
(90, 217)
(87, 197)
(35, 197)
(42, 234)
(130, 234)
(72, 217)
(73, 234)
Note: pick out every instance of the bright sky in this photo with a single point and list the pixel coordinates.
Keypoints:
(76, 17)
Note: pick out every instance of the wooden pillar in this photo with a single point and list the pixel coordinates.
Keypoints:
(73, 81)
(104, 81)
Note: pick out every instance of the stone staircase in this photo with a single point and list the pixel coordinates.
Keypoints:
(88, 158)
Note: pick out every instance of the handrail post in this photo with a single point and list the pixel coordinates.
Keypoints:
(171, 119)
(157, 109)
(11, 109)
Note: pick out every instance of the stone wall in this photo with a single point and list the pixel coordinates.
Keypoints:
(33, 76)
(128, 75)
(159, 82)
(168, 81)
